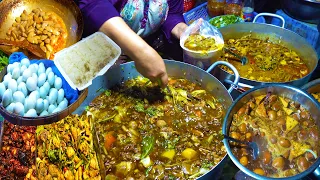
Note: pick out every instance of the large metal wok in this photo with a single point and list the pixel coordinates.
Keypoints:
(66, 9)
(276, 34)
(177, 69)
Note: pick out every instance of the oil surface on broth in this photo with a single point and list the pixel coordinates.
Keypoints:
(287, 136)
(268, 62)
(145, 132)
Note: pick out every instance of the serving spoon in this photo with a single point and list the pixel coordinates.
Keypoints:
(252, 145)
(243, 59)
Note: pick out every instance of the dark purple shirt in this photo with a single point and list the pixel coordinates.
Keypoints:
(96, 12)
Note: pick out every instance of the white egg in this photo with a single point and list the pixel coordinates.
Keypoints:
(53, 95)
(2, 89)
(43, 92)
(41, 69)
(19, 108)
(35, 94)
(58, 83)
(45, 104)
(33, 68)
(10, 107)
(47, 86)
(56, 110)
(31, 113)
(10, 68)
(63, 105)
(12, 84)
(16, 73)
(42, 79)
(31, 84)
(51, 78)
(30, 103)
(26, 74)
(6, 79)
(44, 113)
(39, 105)
(18, 96)
(49, 69)
(19, 80)
(51, 108)
(23, 88)
(25, 62)
(60, 95)
(35, 77)
(7, 97)
(22, 69)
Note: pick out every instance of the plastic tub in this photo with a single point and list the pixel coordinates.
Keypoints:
(80, 63)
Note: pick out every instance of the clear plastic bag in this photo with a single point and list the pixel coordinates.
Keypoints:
(202, 59)
(205, 29)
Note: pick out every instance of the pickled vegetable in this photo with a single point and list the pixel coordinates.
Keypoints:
(197, 42)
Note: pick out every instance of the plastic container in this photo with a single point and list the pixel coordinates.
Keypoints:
(216, 7)
(80, 63)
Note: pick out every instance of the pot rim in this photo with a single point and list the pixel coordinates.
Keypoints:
(237, 162)
(311, 84)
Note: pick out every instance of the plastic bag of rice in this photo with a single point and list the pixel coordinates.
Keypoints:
(91, 57)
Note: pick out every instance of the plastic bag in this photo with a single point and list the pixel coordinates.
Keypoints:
(205, 29)
(202, 59)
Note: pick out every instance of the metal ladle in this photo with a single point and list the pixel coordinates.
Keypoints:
(252, 145)
(243, 59)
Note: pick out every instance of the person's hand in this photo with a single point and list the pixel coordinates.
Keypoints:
(151, 65)
(148, 62)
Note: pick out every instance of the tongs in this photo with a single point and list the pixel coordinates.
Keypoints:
(242, 59)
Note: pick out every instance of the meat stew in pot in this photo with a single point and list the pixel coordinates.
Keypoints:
(286, 133)
(145, 132)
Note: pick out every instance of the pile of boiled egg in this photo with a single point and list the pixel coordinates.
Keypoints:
(31, 90)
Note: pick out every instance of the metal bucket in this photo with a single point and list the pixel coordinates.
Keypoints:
(176, 69)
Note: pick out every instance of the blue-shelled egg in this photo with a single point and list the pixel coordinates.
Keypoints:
(10, 107)
(44, 113)
(31, 113)
(16, 73)
(25, 62)
(18, 109)
(42, 79)
(39, 105)
(51, 78)
(18, 96)
(2, 89)
(12, 84)
(23, 88)
(58, 83)
(51, 108)
(26, 74)
(31, 84)
(7, 97)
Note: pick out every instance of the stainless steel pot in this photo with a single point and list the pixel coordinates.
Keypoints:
(177, 69)
(276, 34)
(304, 10)
(312, 86)
(296, 94)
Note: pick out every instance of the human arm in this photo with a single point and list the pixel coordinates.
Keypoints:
(100, 15)
(174, 24)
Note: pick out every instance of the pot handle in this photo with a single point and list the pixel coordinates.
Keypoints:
(316, 173)
(272, 15)
(236, 73)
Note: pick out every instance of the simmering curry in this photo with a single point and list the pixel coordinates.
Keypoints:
(286, 133)
(149, 133)
(268, 62)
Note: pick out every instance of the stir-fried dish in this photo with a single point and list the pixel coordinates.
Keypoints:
(316, 95)
(65, 150)
(148, 133)
(17, 156)
(197, 42)
(44, 28)
(268, 62)
(287, 136)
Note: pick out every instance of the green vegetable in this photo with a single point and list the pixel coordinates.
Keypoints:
(148, 170)
(139, 107)
(87, 108)
(52, 155)
(151, 111)
(225, 20)
(107, 92)
(4, 60)
(147, 145)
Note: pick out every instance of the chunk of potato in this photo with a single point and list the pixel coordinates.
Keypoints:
(169, 154)
(189, 153)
